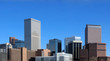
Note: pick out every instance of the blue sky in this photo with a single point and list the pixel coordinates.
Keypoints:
(59, 18)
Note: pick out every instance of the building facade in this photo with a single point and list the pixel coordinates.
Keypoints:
(19, 44)
(4, 51)
(32, 30)
(45, 58)
(92, 34)
(43, 52)
(92, 51)
(63, 57)
(55, 46)
(3, 56)
(16, 43)
(22, 54)
(68, 40)
(4, 47)
(57, 57)
(74, 49)
(12, 40)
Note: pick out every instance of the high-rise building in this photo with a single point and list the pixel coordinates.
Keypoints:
(68, 40)
(74, 48)
(93, 50)
(32, 30)
(92, 34)
(55, 46)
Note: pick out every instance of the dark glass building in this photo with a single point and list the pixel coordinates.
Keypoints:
(74, 49)
(55, 46)
(19, 44)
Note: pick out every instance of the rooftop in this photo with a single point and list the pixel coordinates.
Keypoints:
(32, 19)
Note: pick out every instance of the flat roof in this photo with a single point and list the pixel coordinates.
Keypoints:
(32, 19)
(92, 25)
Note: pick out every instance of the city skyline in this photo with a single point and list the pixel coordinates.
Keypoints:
(55, 24)
(64, 39)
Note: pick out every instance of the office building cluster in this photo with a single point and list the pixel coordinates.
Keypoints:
(30, 48)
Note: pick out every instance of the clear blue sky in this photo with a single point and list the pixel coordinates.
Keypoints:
(59, 18)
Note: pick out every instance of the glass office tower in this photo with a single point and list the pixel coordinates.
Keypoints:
(74, 49)
(70, 39)
(32, 30)
(55, 46)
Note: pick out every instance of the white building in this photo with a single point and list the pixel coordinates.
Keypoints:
(4, 47)
(63, 57)
(4, 51)
(58, 57)
(32, 30)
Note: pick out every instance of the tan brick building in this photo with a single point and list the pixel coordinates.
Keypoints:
(22, 54)
(43, 52)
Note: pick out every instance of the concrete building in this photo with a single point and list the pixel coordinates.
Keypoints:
(84, 55)
(96, 49)
(55, 46)
(43, 52)
(63, 57)
(4, 47)
(74, 49)
(32, 30)
(103, 58)
(22, 54)
(92, 34)
(93, 51)
(4, 50)
(45, 58)
(70, 39)
(56, 57)
(3, 56)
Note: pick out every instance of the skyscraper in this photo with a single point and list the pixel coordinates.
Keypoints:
(92, 34)
(74, 48)
(32, 30)
(55, 46)
(70, 39)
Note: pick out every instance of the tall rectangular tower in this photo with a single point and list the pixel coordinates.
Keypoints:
(55, 46)
(32, 30)
(92, 34)
(70, 39)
